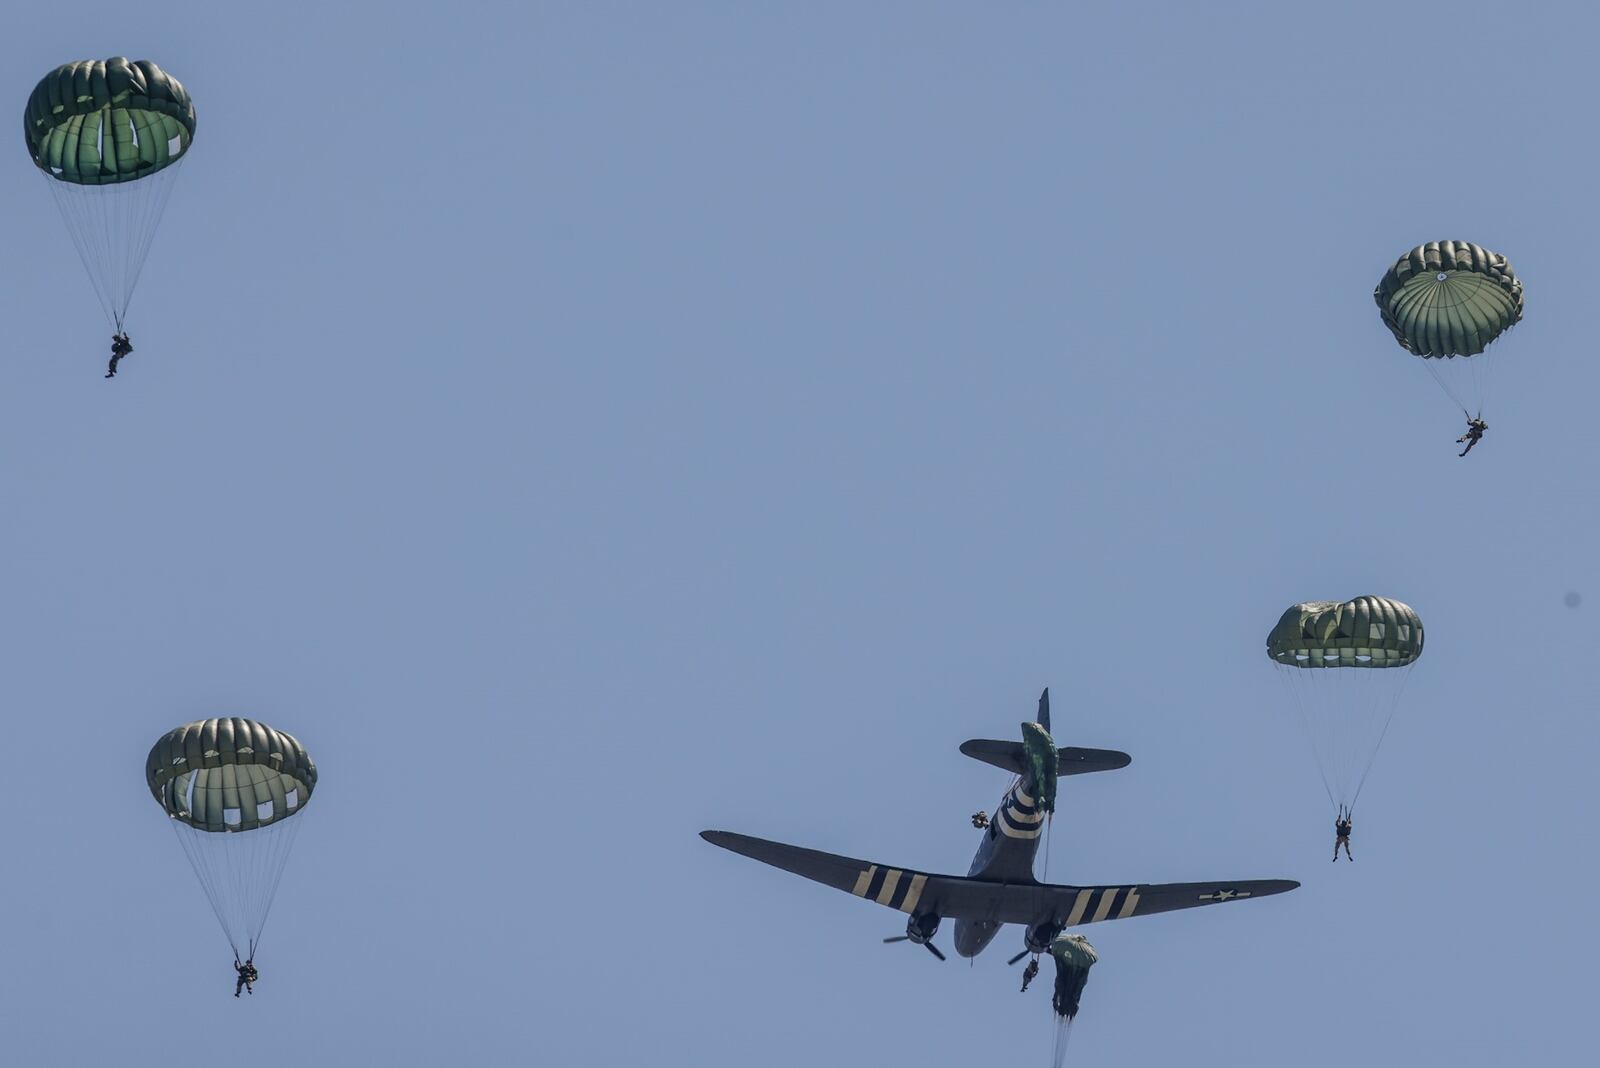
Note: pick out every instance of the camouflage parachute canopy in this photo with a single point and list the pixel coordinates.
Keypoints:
(229, 774)
(1073, 951)
(1449, 298)
(1043, 764)
(100, 122)
(1368, 632)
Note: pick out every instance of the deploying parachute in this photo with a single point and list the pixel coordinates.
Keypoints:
(232, 788)
(1074, 956)
(1445, 302)
(1347, 663)
(108, 135)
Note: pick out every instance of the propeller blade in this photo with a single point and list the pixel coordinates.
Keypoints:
(931, 948)
(1019, 956)
(897, 938)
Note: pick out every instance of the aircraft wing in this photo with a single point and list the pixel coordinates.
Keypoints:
(962, 898)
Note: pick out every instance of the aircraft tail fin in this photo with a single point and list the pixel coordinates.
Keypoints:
(1070, 759)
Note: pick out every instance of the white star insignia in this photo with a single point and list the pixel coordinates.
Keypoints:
(1224, 895)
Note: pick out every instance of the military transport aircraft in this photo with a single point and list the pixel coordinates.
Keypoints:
(1000, 887)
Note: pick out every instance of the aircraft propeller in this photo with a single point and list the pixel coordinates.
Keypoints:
(920, 930)
(929, 946)
(1037, 939)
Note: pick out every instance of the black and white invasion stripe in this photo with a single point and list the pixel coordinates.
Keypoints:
(890, 886)
(1019, 815)
(1093, 904)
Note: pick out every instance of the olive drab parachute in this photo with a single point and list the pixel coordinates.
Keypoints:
(108, 136)
(232, 789)
(1074, 956)
(1446, 301)
(1347, 663)
(1043, 764)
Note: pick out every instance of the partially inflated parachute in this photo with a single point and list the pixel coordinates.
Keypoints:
(1074, 956)
(1347, 663)
(1445, 302)
(232, 789)
(108, 136)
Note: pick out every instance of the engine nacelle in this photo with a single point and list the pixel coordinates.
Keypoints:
(920, 929)
(1039, 937)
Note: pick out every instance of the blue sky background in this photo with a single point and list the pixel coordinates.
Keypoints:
(585, 424)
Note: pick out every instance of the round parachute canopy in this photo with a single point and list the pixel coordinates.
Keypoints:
(103, 122)
(1367, 632)
(224, 775)
(1449, 298)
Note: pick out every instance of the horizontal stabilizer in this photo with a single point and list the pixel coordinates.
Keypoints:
(1070, 759)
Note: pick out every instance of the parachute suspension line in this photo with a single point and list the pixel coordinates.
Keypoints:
(112, 227)
(1467, 388)
(1347, 714)
(1295, 685)
(1482, 374)
(1355, 726)
(1440, 375)
(155, 209)
(1394, 705)
(88, 237)
(1306, 681)
(203, 870)
(239, 872)
(274, 874)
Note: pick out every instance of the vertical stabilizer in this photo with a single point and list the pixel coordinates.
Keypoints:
(1044, 709)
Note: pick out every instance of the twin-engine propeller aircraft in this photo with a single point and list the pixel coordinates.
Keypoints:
(1000, 887)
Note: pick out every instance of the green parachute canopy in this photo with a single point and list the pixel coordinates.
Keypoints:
(108, 136)
(1450, 299)
(1346, 664)
(96, 122)
(1074, 956)
(1073, 951)
(1043, 763)
(1368, 632)
(231, 789)
(223, 775)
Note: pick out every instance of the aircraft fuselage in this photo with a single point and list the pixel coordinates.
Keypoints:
(1005, 855)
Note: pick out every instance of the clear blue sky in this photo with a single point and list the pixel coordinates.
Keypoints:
(584, 424)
